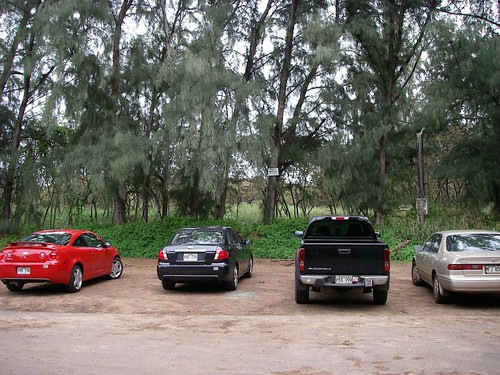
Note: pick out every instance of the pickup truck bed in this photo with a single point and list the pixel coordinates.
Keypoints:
(332, 254)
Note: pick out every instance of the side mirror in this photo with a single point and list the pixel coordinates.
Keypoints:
(418, 248)
(299, 234)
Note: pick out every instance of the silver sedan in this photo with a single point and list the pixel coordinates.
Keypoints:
(465, 261)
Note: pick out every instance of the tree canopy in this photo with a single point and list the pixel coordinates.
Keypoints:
(132, 109)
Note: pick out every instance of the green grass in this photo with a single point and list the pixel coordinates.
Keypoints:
(277, 241)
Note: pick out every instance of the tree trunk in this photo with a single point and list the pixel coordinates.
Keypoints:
(119, 216)
(16, 140)
(194, 206)
(9, 62)
(272, 186)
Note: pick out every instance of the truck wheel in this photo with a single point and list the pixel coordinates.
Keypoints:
(301, 294)
(379, 296)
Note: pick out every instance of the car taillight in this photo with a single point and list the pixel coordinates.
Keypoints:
(221, 254)
(162, 255)
(2, 255)
(301, 259)
(53, 255)
(463, 267)
(387, 260)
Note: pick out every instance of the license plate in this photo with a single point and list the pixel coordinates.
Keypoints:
(190, 257)
(492, 269)
(343, 279)
(23, 270)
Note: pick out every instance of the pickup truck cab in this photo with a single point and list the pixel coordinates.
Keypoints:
(341, 252)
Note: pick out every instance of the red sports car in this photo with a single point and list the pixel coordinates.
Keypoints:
(63, 256)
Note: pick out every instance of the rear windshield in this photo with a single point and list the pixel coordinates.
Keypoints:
(197, 237)
(476, 242)
(342, 228)
(59, 238)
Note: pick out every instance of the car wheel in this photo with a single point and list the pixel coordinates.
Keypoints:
(440, 296)
(301, 294)
(116, 268)
(14, 286)
(75, 279)
(249, 273)
(415, 276)
(167, 285)
(233, 283)
(379, 296)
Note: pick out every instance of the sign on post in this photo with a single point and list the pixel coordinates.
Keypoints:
(272, 172)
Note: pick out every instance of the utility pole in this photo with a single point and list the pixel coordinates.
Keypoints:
(421, 200)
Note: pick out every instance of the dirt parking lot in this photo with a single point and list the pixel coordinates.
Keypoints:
(133, 326)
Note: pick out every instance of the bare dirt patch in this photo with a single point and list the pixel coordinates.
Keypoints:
(132, 325)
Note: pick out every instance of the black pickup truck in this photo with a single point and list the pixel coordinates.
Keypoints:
(341, 252)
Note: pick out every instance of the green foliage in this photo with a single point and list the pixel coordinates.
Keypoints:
(403, 232)
(277, 241)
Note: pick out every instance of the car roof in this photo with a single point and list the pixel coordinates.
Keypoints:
(467, 231)
(339, 217)
(205, 228)
(70, 231)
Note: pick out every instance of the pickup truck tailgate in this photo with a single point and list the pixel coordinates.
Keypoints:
(344, 258)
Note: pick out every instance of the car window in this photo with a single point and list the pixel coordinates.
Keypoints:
(326, 228)
(475, 242)
(432, 244)
(88, 240)
(233, 237)
(92, 241)
(59, 238)
(197, 237)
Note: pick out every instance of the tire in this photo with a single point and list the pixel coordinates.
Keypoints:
(415, 278)
(301, 293)
(379, 296)
(75, 279)
(233, 283)
(116, 268)
(249, 273)
(440, 296)
(167, 285)
(14, 286)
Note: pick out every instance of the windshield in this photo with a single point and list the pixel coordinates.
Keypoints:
(197, 237)
(59, 238)
(476, 242)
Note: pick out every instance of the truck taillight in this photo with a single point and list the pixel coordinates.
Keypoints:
(162, 254)
(387, 260)
(301, 259)
(221, 254)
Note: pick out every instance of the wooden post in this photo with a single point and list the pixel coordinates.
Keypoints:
(421, 201)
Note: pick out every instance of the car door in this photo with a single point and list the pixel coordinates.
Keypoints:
(100, 263)
(429, 256)
(241, 251)
(84, 254)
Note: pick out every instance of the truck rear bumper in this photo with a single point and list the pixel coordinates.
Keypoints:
(347, 281)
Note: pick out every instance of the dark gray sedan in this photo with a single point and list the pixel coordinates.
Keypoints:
(207, 255)
(465, 261)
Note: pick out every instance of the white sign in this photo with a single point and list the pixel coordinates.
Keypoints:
(273, 172)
